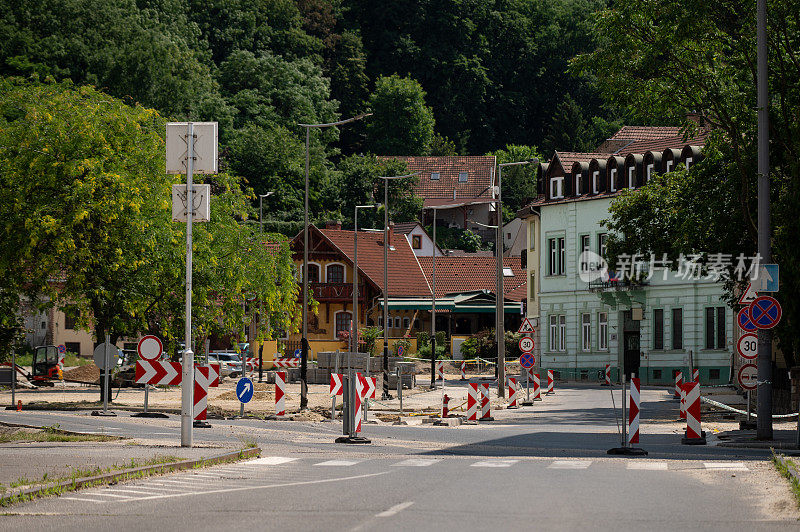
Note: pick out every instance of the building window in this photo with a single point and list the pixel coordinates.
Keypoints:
(73, 347)
(632, 177)
(533, 284)
(532, 236)
(416, 324)
(343, 322)
(649, 172)
(562, 333)
(463, 177)
(313, 273)
(334, 273)
(398, 322)
(602, 238)
(677, 328)
(715, 327)
(406, 323)
(557, 256)
(658, 328)
(416, 241)
(553, 333)
(69, 322)
(613, 183)
(578, 188)
(562, 257)
(557, 187)
(657, 374)
(602, 330)
(595, 182)
(586, 331)
(713, 374)
(435, 176)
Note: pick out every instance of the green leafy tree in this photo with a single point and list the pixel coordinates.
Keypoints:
(402, 124)
(519, 182)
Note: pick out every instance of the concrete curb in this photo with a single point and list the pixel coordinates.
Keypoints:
(758, 445)
(789, 467)
(73, 485)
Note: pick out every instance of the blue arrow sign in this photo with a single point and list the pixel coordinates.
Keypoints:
(244, 390)
(297, 353)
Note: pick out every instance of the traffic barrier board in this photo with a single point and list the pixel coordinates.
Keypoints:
(336, 384)
(748, 376)
(526, 344)
(765, 312)
(286, 362)
(527, 360)
(158, 372)
(744, 321)
(748, 346)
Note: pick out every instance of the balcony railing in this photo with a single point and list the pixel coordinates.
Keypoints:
(335, 291)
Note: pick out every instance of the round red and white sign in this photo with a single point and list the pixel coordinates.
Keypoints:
(748, 346)
(748, 377)
(150, 347)
(526, 344)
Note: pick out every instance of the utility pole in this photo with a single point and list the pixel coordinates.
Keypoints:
(764, 421)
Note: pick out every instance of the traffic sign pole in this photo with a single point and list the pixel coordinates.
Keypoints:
(105, 387)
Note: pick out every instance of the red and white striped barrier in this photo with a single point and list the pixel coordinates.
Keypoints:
(286, 362)
(158, 372)
(633, 412)
(608, 375)
(463, 370)
(368, 385)
(486, 403)
(439, 370)
(473, 400)
(537, 390)
(549, 382)
(358, 395)
(512, 392)
(201, 383)
(695, 375)
(280, 392)
(678, 382)
(694, 434)
(336, 384)
(445, 406)
(683, 402)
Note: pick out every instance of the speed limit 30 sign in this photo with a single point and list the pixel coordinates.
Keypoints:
(526, 344)
(748, 346)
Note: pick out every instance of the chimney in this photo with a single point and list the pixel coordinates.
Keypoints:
(336, 225)
(391, 234)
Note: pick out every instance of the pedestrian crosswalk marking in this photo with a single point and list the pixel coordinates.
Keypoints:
(494, 463)
(417, 462)
(726, 466)
(570, 464)
(648, 466)
(271, 460)
(337, 463)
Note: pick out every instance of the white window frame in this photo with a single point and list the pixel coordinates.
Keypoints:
(335, 316)
(557, 187)
(667, 167)
(398, 322)
(562, 256)
(562, 332)
(577, 183)
(649, 172)
(586, 245)
(553, 344)
(602, 238)
(602, 331)
(552, 247)
(586, 331)
(406, 323)
(612, 186)
(595, 179)
(688, 162)
(344, 270)
(632, 177)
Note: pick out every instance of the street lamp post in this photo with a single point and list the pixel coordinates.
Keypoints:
(385, 394)
(304, 340)
(500, 325)
(355, 275)
(261, 209)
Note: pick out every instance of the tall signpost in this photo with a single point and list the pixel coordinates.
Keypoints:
(191, 148)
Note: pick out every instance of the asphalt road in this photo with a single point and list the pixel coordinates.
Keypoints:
(533, 468)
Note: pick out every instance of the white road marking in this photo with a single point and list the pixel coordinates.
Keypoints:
(726, 466)
(271, 460)
(648, 466)
(397, 508)
(100, 494)
(338, 463)
(494, 463)
(127, 490)
(417, 462)
(83, 499)
(570, 464)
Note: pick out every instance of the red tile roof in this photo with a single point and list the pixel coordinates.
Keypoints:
(646, 132)
(480, 170)
(568, 158)
(676, 142)
(405, 275)
(465, 273)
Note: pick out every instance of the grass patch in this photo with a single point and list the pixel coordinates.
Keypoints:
(782, 465)
(49, 434)
(248, 442)
(70, 359)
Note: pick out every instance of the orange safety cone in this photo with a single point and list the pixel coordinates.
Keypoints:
(19, 405)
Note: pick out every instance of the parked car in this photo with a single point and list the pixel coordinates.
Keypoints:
(230, 364)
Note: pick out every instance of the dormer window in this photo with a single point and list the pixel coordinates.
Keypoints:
(435, 176)
(595, 182)
(649, 171)
(557, 187)
(613, 180)
(688, 162)
(632, 177)
(463, 177)
(577, 184)
(669, 165)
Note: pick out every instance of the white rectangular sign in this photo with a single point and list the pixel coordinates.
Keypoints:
(205, 147)
(201, 211)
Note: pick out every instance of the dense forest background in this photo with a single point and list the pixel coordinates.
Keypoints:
(449, 77)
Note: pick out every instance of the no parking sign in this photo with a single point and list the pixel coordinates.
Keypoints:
(765, 312)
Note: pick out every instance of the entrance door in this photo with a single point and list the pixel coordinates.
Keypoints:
(630, 345)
